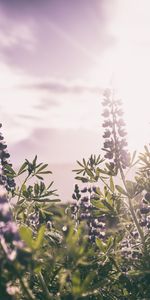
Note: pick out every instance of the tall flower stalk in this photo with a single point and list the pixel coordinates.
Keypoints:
(6, 178)
(115, 146)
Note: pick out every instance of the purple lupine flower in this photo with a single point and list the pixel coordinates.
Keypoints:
(94, 197)
(34, 219)
(84, 212)
(120, 122)
(109, 155)
(143, 223)
(84, 190)
(94, 189)
(49, 225)
(85, 199)
(76, 195)
(147, 196)
(114, 130)
(107, 134)
(106, 113)
(107, 123)
(144, 210)
(9, 235)
(5, 180)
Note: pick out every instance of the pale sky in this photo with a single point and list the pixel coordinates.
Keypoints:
(56, 58)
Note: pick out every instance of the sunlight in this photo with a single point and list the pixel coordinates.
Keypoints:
(132, 68)
(126, 67)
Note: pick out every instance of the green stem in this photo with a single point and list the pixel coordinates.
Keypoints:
(140, 231)
(106, 184)
(26, 289)
(44, 287)
(22, 186)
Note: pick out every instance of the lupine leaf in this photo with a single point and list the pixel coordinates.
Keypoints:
(121, 190)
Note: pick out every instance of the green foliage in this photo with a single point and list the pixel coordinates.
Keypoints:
(96, 247)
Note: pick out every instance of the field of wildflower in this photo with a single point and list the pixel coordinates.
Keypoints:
(97, 247)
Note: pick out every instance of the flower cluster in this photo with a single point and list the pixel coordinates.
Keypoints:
(14, 256)
(129, 249)
(9, 236)
(83, 210)
(115, 142)
(145, 212)
(129, 246)
(5, 167)
(33, 219)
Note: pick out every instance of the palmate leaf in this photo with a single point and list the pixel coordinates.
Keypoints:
(89, 172)
(106, 204)
(36, 244)
(84, 163)
(22, 168)
(98, 204)
(76, 283)
(43, 199)
(80, 164)
(27, 236)
(36, 189)
(131, 187)
(10, 170)
(101, 245)
(121, 190)
(133, 157)
(112, 186)
(103, 171)
(34, 161)
(83, 179)
(40, 170)
(39, 177)
(87, 282)
(49, 185)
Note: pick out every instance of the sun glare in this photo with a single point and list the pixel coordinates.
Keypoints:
(127, 67)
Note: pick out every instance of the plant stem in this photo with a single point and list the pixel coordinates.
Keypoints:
(26, 289)
(24, 182)
(44, 286)
(106, 184)
(140, 231)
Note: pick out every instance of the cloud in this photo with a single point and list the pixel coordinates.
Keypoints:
(61, 38)
(59, 86)
(28, 8)
(13, 33)
(14, 36)
(46, 103)
(27, 117)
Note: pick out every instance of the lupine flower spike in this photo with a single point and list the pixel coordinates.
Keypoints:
(114, 135)
(5, 180)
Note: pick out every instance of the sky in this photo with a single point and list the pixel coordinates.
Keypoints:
(56, 59)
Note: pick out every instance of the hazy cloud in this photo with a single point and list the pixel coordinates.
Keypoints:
(13, 33)
(53, 37)
(27, 117)
(47, 103)
(60, 87)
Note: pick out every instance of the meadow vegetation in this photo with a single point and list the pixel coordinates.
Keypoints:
(97, 247)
